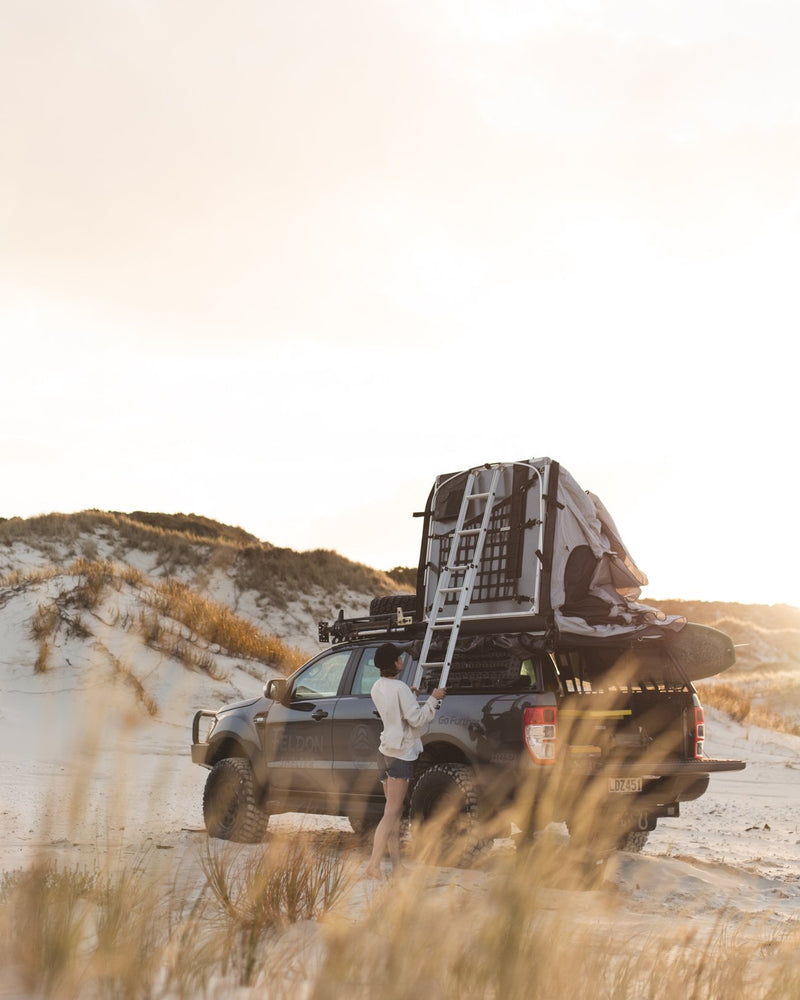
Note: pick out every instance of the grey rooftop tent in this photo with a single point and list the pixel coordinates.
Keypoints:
(551, 554)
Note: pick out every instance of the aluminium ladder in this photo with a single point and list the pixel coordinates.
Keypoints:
(463, 591)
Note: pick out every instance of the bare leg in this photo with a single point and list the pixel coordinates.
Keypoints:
(387, 833)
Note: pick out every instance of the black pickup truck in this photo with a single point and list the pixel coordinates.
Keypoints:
(606, 735)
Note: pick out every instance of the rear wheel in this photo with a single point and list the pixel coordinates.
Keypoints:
(230, 808)
(444, 816)
(634, 841)
(611, 831)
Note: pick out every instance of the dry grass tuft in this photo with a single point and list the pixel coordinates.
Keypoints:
(43, 661)
(19, 579)
(257, 894)
(216, 624)
(125, 672)
(771, 701)
(45, 621)
(143, 932)
(182, 623)
(728, 698)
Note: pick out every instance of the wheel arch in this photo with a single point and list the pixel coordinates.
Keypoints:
(440, 752)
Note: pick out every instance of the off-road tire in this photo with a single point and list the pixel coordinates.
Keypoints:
(230, 808)
(604, 838)
(407, 603)
(449, 787)
(633, 841)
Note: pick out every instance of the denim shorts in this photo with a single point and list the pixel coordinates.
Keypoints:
(393, 767)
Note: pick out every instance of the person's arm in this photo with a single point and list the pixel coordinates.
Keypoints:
(417, 715)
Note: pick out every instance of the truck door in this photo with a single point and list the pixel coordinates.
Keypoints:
(357, 729)
(297, 738)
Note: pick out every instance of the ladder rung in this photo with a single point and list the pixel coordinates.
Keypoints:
(468, 531)
(450, 590)
(432, 663)
(478, 496)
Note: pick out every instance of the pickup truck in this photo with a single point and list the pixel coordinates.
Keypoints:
(605, 734)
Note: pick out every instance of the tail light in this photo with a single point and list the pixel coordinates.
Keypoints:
(699, 731)
(539, 730)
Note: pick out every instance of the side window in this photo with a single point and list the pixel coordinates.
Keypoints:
(322, 678)
(367, 673)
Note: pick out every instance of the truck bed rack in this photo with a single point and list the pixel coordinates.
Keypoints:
(344, 629)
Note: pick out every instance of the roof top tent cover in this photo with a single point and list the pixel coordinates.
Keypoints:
(551, 554)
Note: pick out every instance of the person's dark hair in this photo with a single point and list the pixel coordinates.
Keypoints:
(386, 657)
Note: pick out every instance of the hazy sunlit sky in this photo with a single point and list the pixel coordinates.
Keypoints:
(282, 263)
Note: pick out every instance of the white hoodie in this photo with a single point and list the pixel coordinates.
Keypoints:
(402, 716)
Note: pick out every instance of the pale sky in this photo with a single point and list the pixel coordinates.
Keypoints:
(281, 264)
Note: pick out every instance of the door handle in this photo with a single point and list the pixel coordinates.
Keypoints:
(319, 714)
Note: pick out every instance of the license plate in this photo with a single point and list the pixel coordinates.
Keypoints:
(624, 785)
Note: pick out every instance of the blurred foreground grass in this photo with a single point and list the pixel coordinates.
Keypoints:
(294, 918)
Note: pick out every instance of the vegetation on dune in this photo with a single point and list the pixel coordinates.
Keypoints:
(537, 927)
(192, 544)
(194, 525)
(175, 619)
(215, 624)
(763, 687)
(757, 700)
(134, 932)
(404, 576)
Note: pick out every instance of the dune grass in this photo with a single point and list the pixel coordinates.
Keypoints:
(771, 701)
(181, 545)
(538, 923)
(145, 929)
(215, 624)
(175, 619)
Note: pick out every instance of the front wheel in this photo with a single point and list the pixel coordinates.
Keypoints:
(444, 816)
(230, 807)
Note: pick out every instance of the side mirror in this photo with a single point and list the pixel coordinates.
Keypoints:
(275, 689)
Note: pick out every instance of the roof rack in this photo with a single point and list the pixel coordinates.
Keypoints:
(348, 629)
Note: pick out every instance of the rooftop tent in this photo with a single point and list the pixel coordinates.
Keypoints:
(552, 555)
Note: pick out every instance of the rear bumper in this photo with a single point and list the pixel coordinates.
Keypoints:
(657, 769)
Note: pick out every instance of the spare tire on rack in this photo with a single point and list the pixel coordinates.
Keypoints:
(407, 603)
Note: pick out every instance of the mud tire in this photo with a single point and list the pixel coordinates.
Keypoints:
(602, 840)
(633, 841)
(230, 808)
(446, 795)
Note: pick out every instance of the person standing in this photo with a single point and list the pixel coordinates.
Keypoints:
(403, 718)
